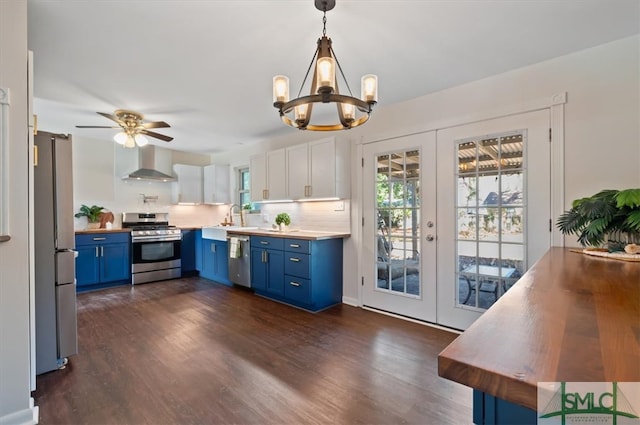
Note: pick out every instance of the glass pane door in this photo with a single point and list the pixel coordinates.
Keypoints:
(398, 222)
(399, 248)
(490, 213)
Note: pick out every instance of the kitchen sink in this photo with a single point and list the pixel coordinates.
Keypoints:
(219, 233)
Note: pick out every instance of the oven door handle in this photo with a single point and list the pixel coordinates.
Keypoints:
(156, 238)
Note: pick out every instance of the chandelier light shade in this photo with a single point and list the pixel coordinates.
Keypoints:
(352, 111)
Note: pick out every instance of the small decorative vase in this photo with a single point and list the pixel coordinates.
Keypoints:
(283, 227)
(93, 226)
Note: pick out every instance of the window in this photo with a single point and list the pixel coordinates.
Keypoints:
(244, 190)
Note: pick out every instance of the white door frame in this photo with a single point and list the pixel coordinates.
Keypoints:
(556, 105)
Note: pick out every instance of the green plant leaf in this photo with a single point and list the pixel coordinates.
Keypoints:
(633, 221)
(628, 198)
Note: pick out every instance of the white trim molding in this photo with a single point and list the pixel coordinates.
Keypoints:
(22, 417)
(4, 164)
(557, 165)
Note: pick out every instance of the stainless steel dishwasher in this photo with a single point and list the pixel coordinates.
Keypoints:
(239, 260)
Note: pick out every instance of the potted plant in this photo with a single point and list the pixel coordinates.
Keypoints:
(608, 216)
(283, 220)
(92, 213)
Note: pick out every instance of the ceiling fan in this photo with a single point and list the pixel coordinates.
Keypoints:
(133, 129)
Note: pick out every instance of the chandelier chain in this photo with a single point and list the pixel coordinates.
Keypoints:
(324, 23)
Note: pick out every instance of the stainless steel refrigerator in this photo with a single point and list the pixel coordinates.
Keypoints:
(55, 287)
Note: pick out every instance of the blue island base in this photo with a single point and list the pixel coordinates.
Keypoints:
(489, 410)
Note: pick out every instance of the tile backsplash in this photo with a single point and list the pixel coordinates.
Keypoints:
(321, 216)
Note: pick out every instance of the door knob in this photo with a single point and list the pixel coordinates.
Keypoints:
(430, 238)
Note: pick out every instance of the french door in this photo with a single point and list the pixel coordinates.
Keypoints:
(445, 252)
(399, 227)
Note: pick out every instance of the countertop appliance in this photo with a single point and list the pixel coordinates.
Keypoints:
(156, 247)
(55, 288)
(239, 260)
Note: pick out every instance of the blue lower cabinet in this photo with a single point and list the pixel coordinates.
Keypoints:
(303, 273)
(188, 252)
(104, 259)
(297, 289)
(489, 410)
(267, 270)
(87, 265)
(215, 263)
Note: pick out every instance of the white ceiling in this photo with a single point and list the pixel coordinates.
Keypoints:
(206, 66)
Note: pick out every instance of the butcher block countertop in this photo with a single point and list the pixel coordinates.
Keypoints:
(89, 232)
(294, 234)
(571, 318)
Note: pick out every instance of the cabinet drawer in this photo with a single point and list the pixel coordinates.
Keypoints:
(267, 242)
(297, 245)
(102, 238)
(296, 264)
(297, 289)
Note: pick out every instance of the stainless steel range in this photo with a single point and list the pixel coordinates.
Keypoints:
(155, 245)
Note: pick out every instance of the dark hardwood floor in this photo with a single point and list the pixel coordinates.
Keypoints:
(190, 351)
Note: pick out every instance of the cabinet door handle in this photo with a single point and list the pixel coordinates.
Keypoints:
(213, 248)
(295, 260)
(264, 242)
(97, 255)
(99, 239)
(294, 245)
(102, 251)
(266, 257)
(294, 283)
(265, 194)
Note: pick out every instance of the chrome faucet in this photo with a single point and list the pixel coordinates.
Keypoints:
(240, 212)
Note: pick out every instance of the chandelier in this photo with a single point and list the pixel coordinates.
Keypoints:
(352, 111)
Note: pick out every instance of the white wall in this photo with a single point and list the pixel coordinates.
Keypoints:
(602, 115)
(15, 400)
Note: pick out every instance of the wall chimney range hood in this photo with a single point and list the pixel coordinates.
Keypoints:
(148, 167)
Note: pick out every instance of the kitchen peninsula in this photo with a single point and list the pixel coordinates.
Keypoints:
(571, 318)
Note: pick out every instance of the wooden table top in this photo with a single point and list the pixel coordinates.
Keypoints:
(571, 318)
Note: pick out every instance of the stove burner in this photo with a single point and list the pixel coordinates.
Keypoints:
(138, 226)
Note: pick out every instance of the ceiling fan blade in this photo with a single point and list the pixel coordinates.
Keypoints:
(97, 126)
(111, 117)
(156, 124)
(156, 135)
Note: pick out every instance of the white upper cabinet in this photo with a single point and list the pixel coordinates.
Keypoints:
(318, 170)
(258, 177)
(268, 176)
(298, 171)
(188, 188)
(276, 175)
(216, 184)
(313, 170)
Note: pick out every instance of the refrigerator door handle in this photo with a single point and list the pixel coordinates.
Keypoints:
(65, 266)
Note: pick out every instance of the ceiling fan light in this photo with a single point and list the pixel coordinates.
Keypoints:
(369, 88)
(141, 140)
(120, 138)
(130, 143)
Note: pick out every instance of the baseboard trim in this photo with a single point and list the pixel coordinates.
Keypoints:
(409, 319)
(351, 301)
(23, 417)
